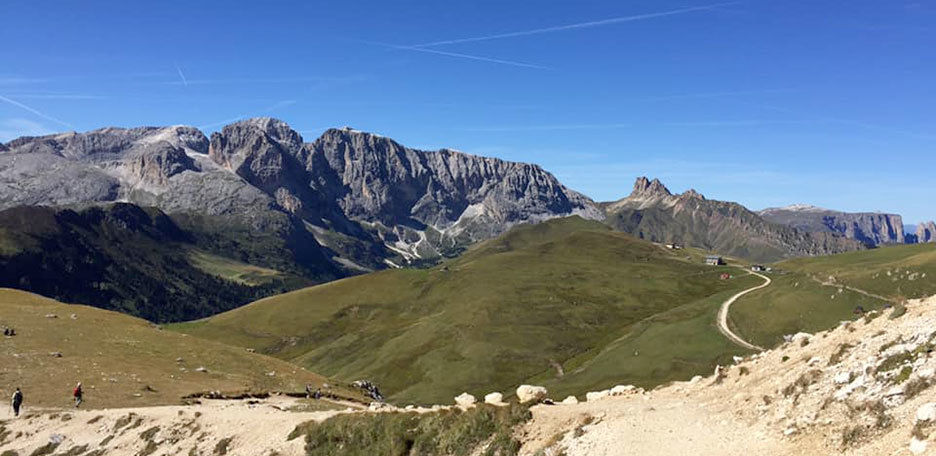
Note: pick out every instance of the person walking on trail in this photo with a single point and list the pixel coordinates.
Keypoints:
(77, 394)
(17, 401)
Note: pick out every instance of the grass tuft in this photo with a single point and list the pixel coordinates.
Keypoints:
(484, 430)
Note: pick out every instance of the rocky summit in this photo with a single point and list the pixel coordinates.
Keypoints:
(368, 200)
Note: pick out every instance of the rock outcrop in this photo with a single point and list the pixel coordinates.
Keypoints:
(926, 232)
(871, 228)
(652, 212)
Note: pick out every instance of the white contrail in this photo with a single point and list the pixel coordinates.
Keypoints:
(182, 75)
(34, 111)
(559, 28)
(464, 56)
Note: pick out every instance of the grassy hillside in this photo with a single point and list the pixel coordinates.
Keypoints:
(906, 271)
(131, 259)
(539, 300)
(121, 360)
(799, 301)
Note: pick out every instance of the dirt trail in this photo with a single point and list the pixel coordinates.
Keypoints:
(850, 288)
(248, 427)
(722, 321)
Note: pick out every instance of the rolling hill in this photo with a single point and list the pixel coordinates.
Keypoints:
(568, 300)
(122, 360)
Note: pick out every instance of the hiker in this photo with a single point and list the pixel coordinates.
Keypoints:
(17, 401)
(77, 393)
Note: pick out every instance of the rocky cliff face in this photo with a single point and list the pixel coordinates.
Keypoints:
(926, 232)
(367, 199)
(872, 229)
(652, 212)
(424, 203)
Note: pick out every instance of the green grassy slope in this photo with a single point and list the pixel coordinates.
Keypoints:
(121, 360)
(509, 310)
(907, 271)
(797, 301)
(130, 259)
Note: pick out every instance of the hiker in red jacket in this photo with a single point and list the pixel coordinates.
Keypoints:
(77, 394)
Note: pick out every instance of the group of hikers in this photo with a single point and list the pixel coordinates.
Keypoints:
(17, 401)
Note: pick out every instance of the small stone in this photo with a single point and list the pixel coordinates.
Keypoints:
(593, 396)
(926, 412)
(917, 446)
(621, 390)
(842, 378)
(571, 400)
(465, 400)
(494, 399)
(530, 393)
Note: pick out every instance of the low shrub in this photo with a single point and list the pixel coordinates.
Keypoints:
(446, 432)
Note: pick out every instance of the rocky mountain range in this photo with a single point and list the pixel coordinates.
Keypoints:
(871, 228)
(652, 212)
(256, 193)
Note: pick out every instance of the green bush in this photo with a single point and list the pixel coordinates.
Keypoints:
(446, 432)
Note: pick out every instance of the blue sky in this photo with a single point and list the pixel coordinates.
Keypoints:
(764, 102)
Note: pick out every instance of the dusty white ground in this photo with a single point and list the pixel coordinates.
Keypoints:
(255, 428)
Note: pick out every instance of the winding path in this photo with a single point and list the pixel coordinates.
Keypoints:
(722, 321)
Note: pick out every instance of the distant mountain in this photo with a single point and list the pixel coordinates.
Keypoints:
(256, 193)
(653, 212)
(871, 228)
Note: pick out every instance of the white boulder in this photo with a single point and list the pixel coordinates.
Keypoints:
(621, 390)
(531, 393)
(593, 396)
(465, 400)
(571, 400)
(926, 412)
(917, 446)
(494, 399)
(842, 378)
(801, 337)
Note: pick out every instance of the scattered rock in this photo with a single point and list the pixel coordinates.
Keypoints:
(201, 369)
(926, 413)
(593, 396)
(801, 338)
(465, 400)
(494, 399)
(51, 316)
(571, 400)
(55, 354)
(917, 446)
(530, 393)
(842, 378)
(621, 390)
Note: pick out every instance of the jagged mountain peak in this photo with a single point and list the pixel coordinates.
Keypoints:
(645, 187)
